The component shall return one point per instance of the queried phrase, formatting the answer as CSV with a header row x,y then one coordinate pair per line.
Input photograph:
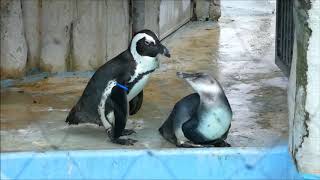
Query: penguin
x,y
201,119
116,88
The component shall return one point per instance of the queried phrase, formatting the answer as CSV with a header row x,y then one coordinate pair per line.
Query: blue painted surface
x,y
210,163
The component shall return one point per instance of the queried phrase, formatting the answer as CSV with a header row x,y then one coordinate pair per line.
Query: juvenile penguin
x,y
105,100
200,119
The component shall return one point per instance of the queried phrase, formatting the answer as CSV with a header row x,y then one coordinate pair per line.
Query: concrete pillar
x,y
31,20
89,35
161,16
146,15
304,88
173,14
55,34
119,27
151,13
13,43
101,30
207,10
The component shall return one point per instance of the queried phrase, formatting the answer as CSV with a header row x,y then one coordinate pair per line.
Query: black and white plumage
x,y
118,84
201,119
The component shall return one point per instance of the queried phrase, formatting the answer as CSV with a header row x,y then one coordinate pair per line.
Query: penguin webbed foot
x,y
188,144
127,132
221,143
217,143
127,142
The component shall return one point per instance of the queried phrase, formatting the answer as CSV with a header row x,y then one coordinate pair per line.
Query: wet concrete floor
x,y
238,51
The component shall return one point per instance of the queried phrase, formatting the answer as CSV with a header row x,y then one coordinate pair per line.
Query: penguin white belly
x,y
215,123
137,87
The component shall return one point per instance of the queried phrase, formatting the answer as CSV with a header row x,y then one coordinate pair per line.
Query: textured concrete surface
x,y
161,16
13,46
239,51
172,15
304,88
207,10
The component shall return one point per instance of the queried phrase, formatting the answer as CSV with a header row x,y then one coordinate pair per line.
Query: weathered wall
x,y
56,18
173,14
13,43
89,35
151,12
165,16
57,36
161,16
119,27
207,10
88,40
101,30
31,21
304,88
74,35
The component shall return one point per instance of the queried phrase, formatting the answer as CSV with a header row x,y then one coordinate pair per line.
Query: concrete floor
x,y
238,51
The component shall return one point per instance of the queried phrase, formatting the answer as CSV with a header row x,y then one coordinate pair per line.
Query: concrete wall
x,y
57,36
73,35
13,42
173,14
304,88
30,10
101,30
55,29
161,16
146,15
207,10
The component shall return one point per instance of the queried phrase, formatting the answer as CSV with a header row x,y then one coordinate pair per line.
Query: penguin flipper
x,y
181,113
167,130
189,129
119,105
120,109
136,103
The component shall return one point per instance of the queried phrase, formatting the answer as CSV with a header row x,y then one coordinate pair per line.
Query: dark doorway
x,y
284,35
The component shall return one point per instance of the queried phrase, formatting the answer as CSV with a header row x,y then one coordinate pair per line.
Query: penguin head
x,y
145,43
202,83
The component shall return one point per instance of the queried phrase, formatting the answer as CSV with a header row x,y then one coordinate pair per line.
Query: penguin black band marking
x,y
140,76
122,86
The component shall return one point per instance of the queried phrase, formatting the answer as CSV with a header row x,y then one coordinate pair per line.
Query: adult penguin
x,y
119,81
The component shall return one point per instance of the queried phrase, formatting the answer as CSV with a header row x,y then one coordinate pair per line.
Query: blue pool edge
x,y
200,163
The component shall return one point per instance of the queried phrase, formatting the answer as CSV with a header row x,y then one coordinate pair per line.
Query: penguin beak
x,y
165,51
182,75
188,75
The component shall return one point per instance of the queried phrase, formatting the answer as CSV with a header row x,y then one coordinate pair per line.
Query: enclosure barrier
x,y
304,87
209,163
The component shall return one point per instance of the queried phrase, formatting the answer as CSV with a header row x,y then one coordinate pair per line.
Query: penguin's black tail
x,y
167,132
161,130
72,117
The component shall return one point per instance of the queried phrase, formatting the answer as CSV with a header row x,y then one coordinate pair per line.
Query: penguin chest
x,y
138,87
215,123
